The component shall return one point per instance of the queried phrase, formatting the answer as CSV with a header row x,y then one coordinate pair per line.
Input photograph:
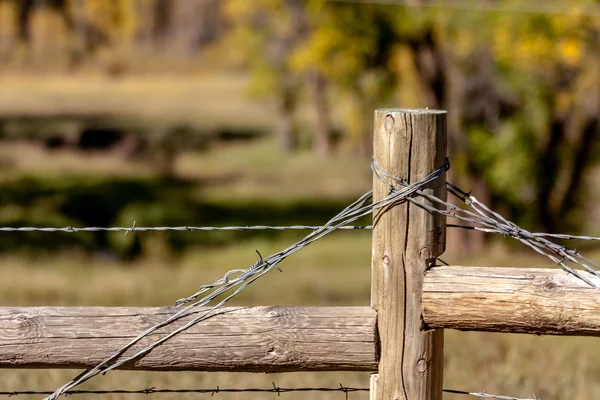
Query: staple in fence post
x,y
409,144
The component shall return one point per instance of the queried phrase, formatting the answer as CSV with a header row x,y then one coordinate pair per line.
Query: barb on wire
x,y
235,281
486,220
216,390
133,228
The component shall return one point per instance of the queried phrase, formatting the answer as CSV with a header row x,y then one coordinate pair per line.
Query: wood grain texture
x,y
255,339
409,144
518,300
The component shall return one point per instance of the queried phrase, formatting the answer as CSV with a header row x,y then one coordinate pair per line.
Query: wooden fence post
x,y
409,144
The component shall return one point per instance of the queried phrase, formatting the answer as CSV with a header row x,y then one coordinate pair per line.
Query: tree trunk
x,y
548,172
286,127
162,21
322,143
580,160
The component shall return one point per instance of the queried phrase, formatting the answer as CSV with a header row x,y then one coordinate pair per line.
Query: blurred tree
x,y
90,23
183,26
529,100
7,30
116,18
326,44
26,9
349,46
266,32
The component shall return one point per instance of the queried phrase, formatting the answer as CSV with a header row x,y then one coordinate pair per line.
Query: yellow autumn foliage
x,y
116,18
542,42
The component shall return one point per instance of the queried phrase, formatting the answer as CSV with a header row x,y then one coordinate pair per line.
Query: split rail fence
x,y
399,337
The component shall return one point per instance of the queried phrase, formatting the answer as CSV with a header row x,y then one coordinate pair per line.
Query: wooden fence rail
x,y
516,300
400,336
256,339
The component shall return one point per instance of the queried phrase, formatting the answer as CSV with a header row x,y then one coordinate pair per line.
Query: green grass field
x,y
333,271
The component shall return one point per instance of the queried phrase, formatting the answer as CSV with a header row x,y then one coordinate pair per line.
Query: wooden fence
x,y
399,337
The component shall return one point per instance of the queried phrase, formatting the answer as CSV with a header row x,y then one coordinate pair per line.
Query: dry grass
x,y
261,171
310,277
32,159
204,99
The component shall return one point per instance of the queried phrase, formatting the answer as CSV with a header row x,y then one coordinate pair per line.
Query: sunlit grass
x,y
208,99
260,170
311,276
256,170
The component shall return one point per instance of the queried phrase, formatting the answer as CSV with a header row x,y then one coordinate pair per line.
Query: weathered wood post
x,y
406,239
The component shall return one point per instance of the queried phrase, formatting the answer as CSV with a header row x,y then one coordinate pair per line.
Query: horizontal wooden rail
x,y
257,339
518,300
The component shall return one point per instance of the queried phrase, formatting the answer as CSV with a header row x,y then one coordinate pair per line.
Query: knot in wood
x,y
21,318
21,327
425,254
422,366
388,123
549,285
274,313
386,260
143,321
271,351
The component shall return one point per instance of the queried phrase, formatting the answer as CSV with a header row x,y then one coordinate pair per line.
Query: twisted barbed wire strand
x,y
538,242
133,228
490,221
245,277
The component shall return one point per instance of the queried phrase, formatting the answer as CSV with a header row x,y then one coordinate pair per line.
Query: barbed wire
x,y
235,281
134,228
216,390
486,220
536,234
